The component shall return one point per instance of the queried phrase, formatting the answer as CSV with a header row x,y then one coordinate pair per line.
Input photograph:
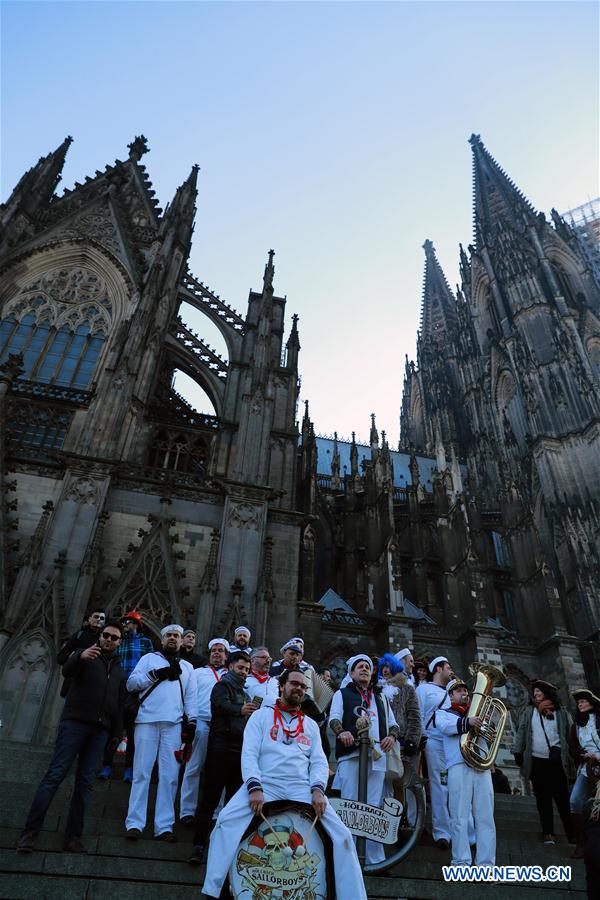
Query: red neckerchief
x,y
461,707
366,698
215,672
290,733
260,678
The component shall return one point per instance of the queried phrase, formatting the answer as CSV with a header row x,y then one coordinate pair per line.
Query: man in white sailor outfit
x,y
241,639
292,657
432,696
470,791
282,759
406,658
259,684
169,685
347,705
206,677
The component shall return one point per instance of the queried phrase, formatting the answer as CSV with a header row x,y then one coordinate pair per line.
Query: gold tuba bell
x,y
479,746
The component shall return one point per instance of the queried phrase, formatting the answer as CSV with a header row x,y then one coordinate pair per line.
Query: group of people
x,y
235,730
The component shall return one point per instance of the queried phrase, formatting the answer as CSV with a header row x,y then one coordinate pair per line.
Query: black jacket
x,y
194,659
227,723
96,691
81,640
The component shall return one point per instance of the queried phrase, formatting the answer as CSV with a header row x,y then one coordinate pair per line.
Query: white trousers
x,y
193,767
347,781
237,815
471,792
152,740
438,792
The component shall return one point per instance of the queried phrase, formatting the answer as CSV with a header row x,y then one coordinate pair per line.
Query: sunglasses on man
x,y
109,636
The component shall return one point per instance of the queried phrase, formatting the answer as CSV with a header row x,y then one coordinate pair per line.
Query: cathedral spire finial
x,y
138,147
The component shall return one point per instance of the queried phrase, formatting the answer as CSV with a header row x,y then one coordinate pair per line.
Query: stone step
x,y
436,889
140,860
19,886
82,865
510,852
111,801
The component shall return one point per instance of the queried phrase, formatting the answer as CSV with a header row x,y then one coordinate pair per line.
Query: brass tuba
x,y
479,746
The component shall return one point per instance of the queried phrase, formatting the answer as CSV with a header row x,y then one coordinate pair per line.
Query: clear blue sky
x,y
334,132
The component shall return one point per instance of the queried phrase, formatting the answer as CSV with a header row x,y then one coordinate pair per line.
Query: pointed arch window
x,y
180,452
65,356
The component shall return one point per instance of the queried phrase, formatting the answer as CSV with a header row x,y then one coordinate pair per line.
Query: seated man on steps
x,y
92,716
282,759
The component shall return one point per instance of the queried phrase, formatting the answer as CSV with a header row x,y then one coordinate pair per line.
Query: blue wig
x,y
395,665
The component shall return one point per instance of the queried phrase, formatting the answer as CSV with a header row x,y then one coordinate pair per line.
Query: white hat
x,y
241,629
350,663
168,628
402,653
294,644
434,662
214,641
298,640
455,683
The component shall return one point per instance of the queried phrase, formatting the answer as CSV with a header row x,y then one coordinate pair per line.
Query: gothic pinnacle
x,y
269,272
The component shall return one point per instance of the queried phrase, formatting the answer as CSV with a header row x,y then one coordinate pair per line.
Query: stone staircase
x,y
149,870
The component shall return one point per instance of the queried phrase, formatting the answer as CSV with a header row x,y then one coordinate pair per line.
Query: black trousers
x,y
550,783
222,769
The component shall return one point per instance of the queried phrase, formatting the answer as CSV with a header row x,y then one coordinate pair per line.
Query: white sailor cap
x,y
402,653
455,683
434,662
360,657
241,629
168,628
214,641
293,644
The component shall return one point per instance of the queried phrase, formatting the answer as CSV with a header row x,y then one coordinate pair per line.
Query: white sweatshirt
x,y
429,696
269,763
164,703
447,724
206,677
268,690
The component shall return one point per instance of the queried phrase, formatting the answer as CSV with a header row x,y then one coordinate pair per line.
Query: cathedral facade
x,y
478,537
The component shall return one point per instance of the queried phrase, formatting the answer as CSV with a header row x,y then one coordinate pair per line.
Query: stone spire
x,y
36,187
179,215
438,310
293,345
353,457
269,273
335,461
374,435
495,196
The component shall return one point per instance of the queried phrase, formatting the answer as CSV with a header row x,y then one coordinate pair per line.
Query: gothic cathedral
x,y
479,537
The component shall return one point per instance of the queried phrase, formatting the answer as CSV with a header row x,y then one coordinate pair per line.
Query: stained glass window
x,y
64,356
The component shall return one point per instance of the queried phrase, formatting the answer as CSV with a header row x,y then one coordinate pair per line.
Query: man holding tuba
x,y
470,790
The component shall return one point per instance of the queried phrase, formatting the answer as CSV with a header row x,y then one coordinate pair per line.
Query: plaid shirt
x,y
131,649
